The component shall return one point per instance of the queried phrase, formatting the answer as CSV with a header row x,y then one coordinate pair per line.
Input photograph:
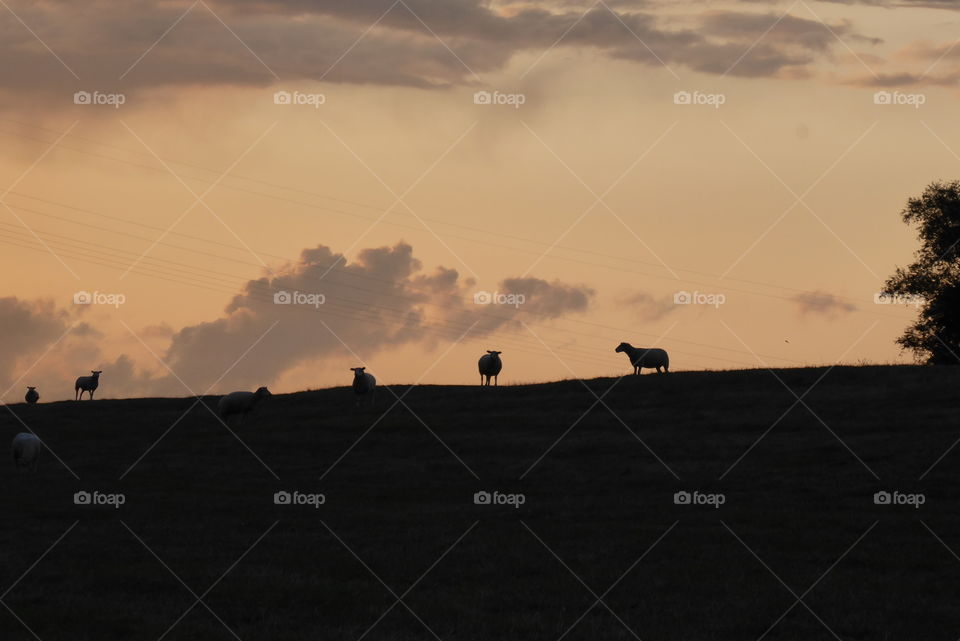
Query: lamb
x,y
87,384
32,395
363,384
26,451
490,365
645,357
240,403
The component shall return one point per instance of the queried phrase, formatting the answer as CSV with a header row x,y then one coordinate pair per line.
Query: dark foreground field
x,y
597,550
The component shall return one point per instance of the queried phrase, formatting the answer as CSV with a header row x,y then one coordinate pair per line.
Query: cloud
x,y
28,327
823,304
381,300
44,345
125,47
649,307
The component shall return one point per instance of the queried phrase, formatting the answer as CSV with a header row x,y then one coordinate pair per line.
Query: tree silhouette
x,y
933,279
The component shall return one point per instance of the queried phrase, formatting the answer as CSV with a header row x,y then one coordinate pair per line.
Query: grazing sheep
x,y
87,384
26,451
363,384
32,395
240,403
645,357
490,365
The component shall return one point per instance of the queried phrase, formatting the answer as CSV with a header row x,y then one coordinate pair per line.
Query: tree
x,y
933,279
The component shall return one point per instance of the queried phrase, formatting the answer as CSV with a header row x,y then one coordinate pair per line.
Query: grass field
x,y
399,549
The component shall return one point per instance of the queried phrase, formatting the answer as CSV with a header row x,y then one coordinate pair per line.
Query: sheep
x,y
87,384
32,396
363,384
490,365
645,357
240,403
26,451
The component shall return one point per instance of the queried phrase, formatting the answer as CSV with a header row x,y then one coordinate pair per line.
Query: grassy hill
x,y
399,518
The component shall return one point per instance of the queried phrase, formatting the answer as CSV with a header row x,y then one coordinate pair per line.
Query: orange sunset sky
x,y
755,153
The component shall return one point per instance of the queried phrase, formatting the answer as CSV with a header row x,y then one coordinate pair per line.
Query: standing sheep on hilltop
x,y
32,395
87,384
240,403
490,365
363,384
26,451
645,357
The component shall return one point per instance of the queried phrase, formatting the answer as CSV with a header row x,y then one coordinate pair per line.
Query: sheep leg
x,y
495,383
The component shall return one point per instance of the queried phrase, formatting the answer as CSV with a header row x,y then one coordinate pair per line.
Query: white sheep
x,y
87,384
645,357
26,451
363,384
240,403
32,395
490,365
